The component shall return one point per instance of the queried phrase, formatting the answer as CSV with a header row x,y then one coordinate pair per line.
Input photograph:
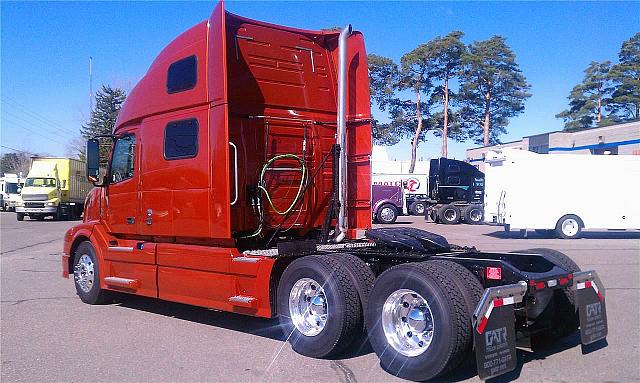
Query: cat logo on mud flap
x,y
495,337
593,309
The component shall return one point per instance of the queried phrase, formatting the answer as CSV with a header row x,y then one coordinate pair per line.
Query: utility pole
x,y
90,85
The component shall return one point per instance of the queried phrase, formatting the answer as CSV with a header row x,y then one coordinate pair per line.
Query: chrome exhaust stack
x,y
341,139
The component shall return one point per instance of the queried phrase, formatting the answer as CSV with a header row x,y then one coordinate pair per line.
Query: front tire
x,y
318,305
417,321
86,275
20,216
387,214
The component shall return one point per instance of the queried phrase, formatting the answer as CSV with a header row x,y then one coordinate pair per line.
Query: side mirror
x,y
93,160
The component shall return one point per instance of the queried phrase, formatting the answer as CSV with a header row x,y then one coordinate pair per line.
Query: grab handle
x,y
235,170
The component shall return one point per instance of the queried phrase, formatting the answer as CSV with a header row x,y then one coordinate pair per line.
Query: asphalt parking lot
x,y
48,334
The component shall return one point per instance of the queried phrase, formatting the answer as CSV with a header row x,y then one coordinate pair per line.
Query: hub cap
x,y
570,227
407,322
386,214
420,208
308,306
83,273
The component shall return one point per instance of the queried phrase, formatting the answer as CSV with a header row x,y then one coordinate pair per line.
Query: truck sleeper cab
x,y
240,180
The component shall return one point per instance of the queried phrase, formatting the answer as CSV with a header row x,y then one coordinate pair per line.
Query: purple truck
x,y
386,202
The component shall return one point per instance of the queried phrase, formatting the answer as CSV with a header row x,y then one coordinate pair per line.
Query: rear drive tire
x,y
449,214
387,213
569,227
417,208
417,321
86,275
318,306
473,214
363,279
20,216
562,311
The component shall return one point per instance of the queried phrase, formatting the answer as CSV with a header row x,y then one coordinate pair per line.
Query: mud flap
x,y
494,334
591,307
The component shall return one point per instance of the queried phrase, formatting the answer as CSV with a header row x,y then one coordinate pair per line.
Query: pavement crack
x,y
344,373
17,302
29,246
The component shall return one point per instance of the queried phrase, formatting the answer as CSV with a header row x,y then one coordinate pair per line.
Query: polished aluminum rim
x,y
407,322
475,215
84,273
386,214
419,208
308,306
570,227
450,214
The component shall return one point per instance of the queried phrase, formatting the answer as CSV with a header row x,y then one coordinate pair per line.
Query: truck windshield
x,y
41,182
11,188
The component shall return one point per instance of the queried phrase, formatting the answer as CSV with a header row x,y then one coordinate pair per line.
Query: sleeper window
x,y
181,139
182,75
122,162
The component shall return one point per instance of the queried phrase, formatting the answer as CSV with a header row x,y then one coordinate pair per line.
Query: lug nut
x,y
313,287
404,319
421,343
409,334
405,304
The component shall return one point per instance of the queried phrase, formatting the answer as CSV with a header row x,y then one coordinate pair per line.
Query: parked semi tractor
x,y
387,202
240,180
456,191
54,187
561,194
10,187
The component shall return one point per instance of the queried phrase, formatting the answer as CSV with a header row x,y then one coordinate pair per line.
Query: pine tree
x,y
588,99
625,76
493,89
103,118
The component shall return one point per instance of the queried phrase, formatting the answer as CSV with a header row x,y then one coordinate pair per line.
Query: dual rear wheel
x,y
417,315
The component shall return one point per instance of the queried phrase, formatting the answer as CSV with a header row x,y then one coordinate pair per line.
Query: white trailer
x,y
561,193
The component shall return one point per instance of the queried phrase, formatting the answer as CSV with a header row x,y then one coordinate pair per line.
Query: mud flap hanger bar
x,y
494,330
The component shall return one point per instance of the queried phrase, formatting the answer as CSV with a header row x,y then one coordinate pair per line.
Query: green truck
x,y
56,187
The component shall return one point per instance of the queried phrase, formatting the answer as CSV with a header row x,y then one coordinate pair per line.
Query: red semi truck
x,y
239,179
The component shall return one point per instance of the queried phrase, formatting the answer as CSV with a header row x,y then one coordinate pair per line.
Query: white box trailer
x,y
561,193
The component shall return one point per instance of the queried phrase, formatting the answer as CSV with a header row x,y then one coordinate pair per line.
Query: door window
x,y
122,163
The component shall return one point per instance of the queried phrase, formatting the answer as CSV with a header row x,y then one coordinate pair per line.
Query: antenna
x,y
90,85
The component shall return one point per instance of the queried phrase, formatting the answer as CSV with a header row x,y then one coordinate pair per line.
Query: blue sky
x,y
45,49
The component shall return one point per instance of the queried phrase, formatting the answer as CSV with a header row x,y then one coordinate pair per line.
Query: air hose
x,y
261,183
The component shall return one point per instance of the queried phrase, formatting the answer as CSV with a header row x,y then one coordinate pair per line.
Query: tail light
x,y
493,273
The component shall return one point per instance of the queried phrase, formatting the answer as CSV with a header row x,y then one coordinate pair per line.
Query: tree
x,y
493,89
16,163
103,118
625,77
383,77
587,99
444,55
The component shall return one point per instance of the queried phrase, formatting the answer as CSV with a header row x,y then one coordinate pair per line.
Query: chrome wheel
x,y
570,227
83,273
387,214
450,215
308,306
419,208
407,322
475,215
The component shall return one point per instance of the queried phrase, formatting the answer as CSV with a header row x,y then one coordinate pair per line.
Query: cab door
x,y
122,190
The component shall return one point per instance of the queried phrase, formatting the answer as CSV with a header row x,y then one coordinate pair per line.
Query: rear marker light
x,y
540,286
494,273
564,281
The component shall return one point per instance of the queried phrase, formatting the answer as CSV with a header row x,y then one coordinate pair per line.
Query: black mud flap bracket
x,y
494,329
591,308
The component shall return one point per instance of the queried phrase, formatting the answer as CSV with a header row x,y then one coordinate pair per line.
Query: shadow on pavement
x,y
263,327
612,234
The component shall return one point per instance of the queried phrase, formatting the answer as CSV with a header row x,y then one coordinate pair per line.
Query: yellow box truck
x,y
56,187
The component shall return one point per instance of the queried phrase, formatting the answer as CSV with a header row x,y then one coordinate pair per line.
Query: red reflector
x,y
494,273
564,281
570,276
587,284
532,283
539,285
